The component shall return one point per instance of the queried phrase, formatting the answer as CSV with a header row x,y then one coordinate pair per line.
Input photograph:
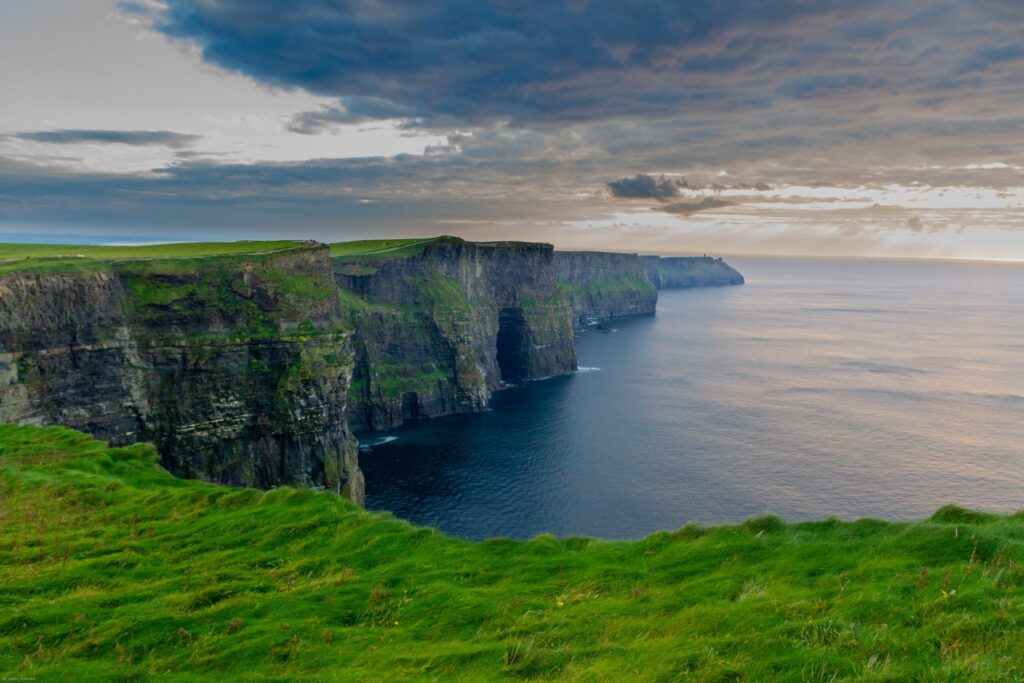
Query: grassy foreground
x,y
114,570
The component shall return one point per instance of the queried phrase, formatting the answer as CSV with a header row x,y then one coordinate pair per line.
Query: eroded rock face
x,y
604,285
428,326
236,368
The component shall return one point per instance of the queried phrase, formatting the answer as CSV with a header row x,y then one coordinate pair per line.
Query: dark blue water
x,y
853,388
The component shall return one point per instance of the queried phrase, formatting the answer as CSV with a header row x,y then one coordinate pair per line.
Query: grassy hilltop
x,y
114,570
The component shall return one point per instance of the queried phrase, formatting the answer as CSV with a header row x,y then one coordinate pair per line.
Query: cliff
x,y
668,272
247,367
604,285
236,367
440,324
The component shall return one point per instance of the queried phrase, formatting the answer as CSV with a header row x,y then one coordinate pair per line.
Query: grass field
x,y
72,257
10,250
114,570
17,256
61,257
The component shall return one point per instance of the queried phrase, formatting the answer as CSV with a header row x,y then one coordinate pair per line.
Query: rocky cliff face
x,y
604,285
237,368
441,326
668,272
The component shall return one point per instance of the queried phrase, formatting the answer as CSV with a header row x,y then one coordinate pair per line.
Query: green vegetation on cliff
x,y
114,570
440,293
181,290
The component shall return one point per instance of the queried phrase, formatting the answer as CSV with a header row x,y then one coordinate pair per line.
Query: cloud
x,y
527,108
356,110
473,196
689,208
787,91
463,62
643,186
990,56
830,85
163,138
915,225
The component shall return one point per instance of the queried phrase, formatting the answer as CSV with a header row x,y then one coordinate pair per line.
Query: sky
x,y
889,128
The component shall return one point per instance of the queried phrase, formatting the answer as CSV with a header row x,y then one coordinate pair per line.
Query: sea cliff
x,y
602,285
235,367
441,324
250,364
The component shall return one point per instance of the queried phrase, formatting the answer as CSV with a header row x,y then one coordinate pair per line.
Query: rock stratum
x,y
253,369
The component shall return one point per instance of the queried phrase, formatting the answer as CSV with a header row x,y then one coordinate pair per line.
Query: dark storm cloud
x,y
788,91
164,138
465,62
470,62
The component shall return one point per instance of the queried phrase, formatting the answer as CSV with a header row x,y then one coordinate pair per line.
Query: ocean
x,y
853,388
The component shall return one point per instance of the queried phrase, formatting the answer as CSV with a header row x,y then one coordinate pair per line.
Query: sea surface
x,y
853,388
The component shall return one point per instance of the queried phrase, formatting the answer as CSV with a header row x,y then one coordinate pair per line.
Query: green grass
x,y
382,247
77,257
114,570
145,251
